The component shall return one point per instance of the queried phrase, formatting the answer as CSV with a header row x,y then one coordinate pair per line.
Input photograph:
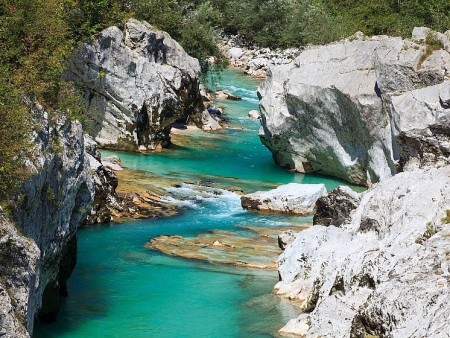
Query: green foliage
x,y
446,219
38,36
13,145
202,43
432,43
192,27
289,23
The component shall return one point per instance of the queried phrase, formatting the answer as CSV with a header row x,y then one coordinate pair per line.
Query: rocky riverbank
x,y
122,194
136,84
383,272
254,60
365,109
362,109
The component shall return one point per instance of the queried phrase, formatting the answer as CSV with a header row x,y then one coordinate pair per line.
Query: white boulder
x,y
292,198
136,83
236,52
254,114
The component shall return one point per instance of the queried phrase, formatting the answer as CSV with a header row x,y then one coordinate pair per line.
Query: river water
x,y
122,289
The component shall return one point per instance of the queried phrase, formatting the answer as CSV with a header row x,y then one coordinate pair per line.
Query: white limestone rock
x,y
254,114
236,52
136,84
209,123
112,162
292,198
384,273
340,109
286,238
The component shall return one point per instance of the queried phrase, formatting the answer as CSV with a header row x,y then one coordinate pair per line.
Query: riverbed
x,y
120,288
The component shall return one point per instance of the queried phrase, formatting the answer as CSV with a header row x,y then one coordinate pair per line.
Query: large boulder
x,y
345,109
292,198
136,84
384,272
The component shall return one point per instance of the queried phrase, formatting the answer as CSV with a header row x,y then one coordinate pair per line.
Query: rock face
x,y
335,207
136,84
292,198
19,257
385,272
361,110
105,184
286,238
38,253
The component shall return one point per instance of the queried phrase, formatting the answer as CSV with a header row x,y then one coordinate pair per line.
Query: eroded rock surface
x,y
384,272
19,257
38,252
335,207
359,109
125,194
285,238
136,84
105,197
292,198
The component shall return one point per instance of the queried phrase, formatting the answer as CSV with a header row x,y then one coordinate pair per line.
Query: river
x,y
119,288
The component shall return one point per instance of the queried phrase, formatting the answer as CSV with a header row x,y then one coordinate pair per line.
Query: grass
x,y
432,43
446,219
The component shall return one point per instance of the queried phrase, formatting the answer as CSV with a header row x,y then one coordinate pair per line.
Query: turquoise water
x,y
121,289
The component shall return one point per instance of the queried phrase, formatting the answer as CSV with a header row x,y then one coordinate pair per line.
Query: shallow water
x,y
121,289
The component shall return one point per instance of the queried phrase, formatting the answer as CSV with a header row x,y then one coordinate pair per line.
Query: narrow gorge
x,y
299,192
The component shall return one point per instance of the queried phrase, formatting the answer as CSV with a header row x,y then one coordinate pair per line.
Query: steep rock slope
x,y
38,253
384,272
136,84
361,109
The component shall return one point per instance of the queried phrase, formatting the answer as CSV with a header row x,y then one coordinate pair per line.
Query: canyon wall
x,y
361,109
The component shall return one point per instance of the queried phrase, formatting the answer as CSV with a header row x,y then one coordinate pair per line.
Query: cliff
x,y
136,84
361,109
38,250
383,272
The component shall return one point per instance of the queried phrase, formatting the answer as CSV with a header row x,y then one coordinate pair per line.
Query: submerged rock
x,y
255,251
220,94
292,198
136,84
384,272
358,109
